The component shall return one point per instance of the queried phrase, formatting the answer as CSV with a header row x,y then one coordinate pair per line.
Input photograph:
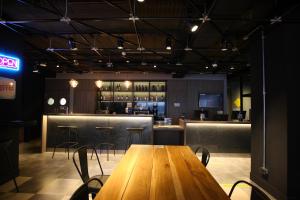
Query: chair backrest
x,y
205,155
82,193
4,149
256,193
83,162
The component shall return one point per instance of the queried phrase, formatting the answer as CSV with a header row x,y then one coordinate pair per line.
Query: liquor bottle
x,y
143,89
162,88
122,98
104,97
101,97
136,88
162,98
146,88
126,98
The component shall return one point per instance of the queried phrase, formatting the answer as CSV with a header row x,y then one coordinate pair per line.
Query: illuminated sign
x,y
9,63
7,88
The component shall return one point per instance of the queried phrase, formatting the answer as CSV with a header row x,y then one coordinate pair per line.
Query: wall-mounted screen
x,y
210,100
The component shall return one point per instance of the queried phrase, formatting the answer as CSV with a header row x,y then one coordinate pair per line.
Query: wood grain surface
x,y
160,173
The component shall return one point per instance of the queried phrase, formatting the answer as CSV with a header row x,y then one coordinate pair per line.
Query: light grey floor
x,y
55,179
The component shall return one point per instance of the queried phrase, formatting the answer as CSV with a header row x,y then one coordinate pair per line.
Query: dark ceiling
x,y
101,23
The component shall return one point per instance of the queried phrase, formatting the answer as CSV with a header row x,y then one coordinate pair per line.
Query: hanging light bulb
x,y
73,83
127,84
99,84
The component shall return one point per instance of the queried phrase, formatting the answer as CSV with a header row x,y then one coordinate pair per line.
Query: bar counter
x,y
86,128
218,136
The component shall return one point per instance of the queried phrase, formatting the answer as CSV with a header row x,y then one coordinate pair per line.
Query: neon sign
x,y
9,63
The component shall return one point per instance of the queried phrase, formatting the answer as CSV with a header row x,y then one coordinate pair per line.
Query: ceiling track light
x,y
120,43
168,43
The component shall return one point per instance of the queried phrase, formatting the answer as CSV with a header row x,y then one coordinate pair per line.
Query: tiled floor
x,y
56,179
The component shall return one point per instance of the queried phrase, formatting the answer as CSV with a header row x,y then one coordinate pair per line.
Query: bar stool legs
x,y
132,132
68,142
107,135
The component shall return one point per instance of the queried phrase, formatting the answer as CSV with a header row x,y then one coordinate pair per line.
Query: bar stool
x,y
70,138
132,132
107,140
6,161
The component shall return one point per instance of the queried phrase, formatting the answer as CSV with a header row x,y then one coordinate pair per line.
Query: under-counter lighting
x,y
73,83
99,84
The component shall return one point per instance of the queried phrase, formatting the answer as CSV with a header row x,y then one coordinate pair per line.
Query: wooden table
x,y
161,173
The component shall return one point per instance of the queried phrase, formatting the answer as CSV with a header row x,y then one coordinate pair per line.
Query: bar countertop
x,y
212,122
105,115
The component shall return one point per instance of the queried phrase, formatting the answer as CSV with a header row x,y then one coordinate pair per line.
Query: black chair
x,y
83,171
82,193
70,138
4,151
107,140
256,193
205,155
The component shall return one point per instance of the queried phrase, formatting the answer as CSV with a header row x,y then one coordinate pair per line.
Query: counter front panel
x,y
86,128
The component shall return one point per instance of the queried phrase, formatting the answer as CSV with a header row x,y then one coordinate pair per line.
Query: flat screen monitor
x,y
210,100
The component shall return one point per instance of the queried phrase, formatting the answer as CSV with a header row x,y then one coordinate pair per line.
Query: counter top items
x,y
161,172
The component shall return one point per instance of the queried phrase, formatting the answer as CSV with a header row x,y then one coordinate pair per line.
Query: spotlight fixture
x,y
99,61
140,49
224,45
43,64
215,64
120,43
141,1
168,43
232,68
206,67
57,66
72,44
154,66
187,48
75,62
123,53
128,61
194,28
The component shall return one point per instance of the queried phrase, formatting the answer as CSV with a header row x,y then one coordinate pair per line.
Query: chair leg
x,y
107,152
53,151
15,182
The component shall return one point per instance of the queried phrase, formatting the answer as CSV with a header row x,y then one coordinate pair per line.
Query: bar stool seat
x,y
106,140
132,131
70,136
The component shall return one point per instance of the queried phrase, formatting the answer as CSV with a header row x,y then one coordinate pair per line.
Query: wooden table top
x,y
160,173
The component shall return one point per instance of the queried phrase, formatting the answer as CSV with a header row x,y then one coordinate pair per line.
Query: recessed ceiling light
x,y
123,53
168,43
154,66
141,1
120,43
57,66
143,63
178,63
35,71
99,61
128,61
232,68
214,64
206,67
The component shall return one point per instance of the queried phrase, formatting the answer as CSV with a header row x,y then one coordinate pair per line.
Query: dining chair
x,y
205,155
256,193
81,165
82,193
